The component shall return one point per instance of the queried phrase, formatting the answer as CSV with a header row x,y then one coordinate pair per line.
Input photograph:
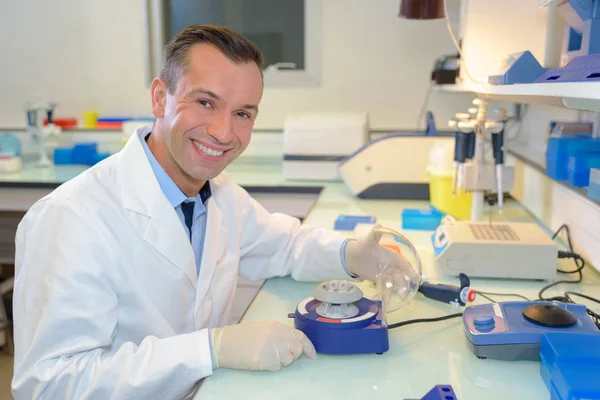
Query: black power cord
x,y
421,320
577,259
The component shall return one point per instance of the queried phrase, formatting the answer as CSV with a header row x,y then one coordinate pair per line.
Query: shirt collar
x,y
169,188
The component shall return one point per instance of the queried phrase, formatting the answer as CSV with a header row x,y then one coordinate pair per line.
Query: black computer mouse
x,y
549,315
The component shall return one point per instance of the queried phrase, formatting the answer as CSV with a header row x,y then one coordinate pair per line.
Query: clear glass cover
x,y
400,270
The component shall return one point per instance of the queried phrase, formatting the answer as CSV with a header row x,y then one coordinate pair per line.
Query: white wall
x,y
90,55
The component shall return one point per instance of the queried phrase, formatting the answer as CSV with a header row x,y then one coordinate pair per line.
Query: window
x,y
287,32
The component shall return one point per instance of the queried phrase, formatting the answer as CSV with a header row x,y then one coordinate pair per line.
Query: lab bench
x,y
420,356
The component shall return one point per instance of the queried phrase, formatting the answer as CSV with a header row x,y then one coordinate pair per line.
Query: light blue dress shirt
x,y
176,197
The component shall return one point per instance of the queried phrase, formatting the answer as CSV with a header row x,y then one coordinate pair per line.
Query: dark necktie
x,y
188,215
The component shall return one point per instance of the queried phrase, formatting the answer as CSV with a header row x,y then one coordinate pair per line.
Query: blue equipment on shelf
x,y
560,149
515,330
519,67
593,190
582,33
580,69
338,320
580,166
349,222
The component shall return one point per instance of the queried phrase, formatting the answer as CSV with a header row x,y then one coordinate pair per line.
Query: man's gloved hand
x,y
263,345
364,257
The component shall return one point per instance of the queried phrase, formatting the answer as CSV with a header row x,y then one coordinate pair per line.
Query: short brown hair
x,y
236,47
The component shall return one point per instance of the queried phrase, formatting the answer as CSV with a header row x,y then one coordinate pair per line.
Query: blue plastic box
x,y
349,222
62,156
570,365
84,153
560,149
580,166
426,220
593,191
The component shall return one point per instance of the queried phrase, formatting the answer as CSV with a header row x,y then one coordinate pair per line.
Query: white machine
x,y
393,167
315,143
510,250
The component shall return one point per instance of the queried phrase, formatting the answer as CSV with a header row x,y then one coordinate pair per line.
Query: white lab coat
x,y
107,303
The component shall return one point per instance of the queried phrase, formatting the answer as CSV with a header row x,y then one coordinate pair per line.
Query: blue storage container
x,y
595,176
84,153
63,156
593,191
426,220
580,166
560,149
570,365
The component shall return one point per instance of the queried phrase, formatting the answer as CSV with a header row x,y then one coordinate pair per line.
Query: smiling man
x,y
126,275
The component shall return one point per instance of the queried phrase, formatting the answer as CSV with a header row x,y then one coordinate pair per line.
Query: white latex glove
x,y
263,345
364,257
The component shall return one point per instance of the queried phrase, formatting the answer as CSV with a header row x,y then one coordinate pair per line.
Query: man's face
x,y
207,121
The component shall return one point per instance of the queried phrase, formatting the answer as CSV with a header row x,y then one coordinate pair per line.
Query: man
x,y
125,276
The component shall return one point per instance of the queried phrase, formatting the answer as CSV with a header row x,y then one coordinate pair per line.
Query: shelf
x,y
579,95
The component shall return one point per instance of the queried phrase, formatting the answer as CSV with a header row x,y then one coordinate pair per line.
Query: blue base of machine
x,y
500,330
361,334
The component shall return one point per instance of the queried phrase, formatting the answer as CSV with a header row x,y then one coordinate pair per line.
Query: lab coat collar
x,y
156,220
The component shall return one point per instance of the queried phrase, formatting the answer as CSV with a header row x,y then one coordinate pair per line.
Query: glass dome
x,y
400,269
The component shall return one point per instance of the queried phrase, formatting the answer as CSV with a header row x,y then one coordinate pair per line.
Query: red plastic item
x,y
63,122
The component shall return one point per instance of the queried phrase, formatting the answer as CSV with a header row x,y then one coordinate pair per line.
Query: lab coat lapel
x,y
211,251
148,209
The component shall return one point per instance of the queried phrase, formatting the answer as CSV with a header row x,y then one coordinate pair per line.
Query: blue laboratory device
x,y
339,320
519,67
515,330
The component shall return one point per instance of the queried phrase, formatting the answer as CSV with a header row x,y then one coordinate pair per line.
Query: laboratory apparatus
x,y
338,319
315,143
392,167
455,295
39,132
515,330
521,67
509,250
471,173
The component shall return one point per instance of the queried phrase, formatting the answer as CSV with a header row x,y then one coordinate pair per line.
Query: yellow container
x,y
440,193
90,119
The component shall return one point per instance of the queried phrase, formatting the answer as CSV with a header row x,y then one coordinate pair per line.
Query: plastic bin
x,y
426,220
580,166
440,195
560,149
63,156
84,153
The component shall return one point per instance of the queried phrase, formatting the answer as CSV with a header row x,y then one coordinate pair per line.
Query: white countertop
x,y
420,356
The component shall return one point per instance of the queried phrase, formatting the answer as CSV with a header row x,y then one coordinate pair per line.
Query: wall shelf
x,y
577,95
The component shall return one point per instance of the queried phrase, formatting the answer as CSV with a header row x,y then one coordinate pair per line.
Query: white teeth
x,y
208,151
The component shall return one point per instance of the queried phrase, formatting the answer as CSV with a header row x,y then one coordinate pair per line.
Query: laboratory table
x,y
420,356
